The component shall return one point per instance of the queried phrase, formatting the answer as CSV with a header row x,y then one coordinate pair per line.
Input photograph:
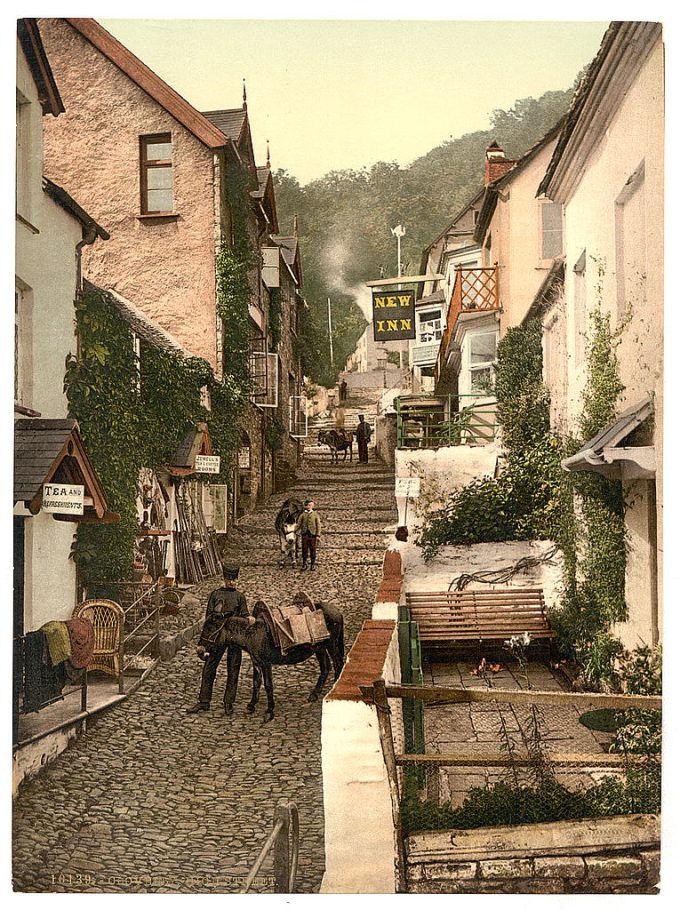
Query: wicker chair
x,y
107,618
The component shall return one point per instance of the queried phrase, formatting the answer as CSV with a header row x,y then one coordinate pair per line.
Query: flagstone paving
x,y
151,799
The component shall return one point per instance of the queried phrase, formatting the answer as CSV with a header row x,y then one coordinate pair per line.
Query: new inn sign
x,y
394,315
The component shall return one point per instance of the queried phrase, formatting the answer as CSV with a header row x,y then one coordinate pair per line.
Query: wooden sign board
x,y
63,498
394,315
207,464
407,486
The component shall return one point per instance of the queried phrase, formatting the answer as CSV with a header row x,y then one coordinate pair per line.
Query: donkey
x,y
253,635
337,441
284,523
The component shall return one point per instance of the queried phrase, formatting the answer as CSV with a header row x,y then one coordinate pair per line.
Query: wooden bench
x,y
453,619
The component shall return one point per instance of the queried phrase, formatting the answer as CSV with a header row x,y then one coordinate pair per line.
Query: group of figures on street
x,y
299,529
341,440
230,628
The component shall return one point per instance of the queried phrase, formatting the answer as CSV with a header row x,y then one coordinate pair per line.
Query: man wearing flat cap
x,y
223,600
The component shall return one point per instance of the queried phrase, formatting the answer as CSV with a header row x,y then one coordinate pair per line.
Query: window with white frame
x,y
481,356
429,326
23,157
22,346
551,229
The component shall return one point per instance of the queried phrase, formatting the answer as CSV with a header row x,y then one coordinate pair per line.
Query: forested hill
x,y
345,219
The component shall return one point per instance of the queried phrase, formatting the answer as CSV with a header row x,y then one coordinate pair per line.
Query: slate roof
x,y
37,442
145,327
611,435
263,174
68,203
197,438
48,91
437,297
231,122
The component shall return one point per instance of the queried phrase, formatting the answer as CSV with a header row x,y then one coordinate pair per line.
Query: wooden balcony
x,y
475,290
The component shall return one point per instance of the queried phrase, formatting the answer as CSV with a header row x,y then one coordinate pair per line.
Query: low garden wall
x,y
590,856
359,831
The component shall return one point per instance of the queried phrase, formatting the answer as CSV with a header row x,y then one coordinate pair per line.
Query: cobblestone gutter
x,y
618,855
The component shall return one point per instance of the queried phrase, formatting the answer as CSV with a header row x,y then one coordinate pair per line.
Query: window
x,y
23,157
551,230
580,309
23,361
631,243
429,326
481,357
156,174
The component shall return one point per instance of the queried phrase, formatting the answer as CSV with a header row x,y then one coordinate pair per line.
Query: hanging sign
x,y
407,486
244,457
63,498
207,464
394,316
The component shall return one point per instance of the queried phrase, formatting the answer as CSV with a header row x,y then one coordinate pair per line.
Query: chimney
x,y
495,164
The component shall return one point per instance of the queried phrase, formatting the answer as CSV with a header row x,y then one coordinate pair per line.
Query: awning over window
x,y
51,451
196,442
604,454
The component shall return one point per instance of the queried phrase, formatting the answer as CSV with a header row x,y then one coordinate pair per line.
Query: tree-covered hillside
x,y
346,216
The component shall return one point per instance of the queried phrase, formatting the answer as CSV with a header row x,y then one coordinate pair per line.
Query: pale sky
x,y
344,94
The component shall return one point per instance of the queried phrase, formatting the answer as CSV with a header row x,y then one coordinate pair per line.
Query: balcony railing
x,y
475,290
435,421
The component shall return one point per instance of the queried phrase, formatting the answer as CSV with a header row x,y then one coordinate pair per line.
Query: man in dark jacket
x,y
224,600
363,436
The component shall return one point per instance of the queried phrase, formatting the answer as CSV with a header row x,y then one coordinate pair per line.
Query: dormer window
x,y
156,174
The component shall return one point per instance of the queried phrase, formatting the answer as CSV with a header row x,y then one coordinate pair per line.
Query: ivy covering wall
x,y
132,415
535,498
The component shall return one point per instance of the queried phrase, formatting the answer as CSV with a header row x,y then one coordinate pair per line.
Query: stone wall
x,y
617,855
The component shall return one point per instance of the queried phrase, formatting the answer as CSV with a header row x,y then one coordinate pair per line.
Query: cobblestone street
x,y
153,799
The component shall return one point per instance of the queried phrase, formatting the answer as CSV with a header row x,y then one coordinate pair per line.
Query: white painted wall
x,y
359,833
49,574
441,471
452,561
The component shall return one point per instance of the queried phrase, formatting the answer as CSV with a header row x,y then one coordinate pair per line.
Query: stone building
x,y
176,186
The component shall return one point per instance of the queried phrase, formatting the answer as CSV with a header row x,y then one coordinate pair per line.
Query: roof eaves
x,y
145,327
59,195
48,91
184,112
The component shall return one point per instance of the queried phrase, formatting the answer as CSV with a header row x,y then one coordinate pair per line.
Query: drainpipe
x,y
89,237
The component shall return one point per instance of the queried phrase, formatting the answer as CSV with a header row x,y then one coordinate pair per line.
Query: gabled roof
x,y
231,122
624,47
196,442
52,450
152,84
144,326
466,208
68,203
265,195
492,190
31,42
291,253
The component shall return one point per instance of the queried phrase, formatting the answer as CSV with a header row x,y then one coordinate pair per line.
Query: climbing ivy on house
x,y
521,503
593,534
132,415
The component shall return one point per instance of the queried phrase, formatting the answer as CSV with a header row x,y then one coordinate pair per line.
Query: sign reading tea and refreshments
x,y
207,464
63,498
394,315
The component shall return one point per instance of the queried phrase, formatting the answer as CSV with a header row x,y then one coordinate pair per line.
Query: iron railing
x,y
435,421
283,842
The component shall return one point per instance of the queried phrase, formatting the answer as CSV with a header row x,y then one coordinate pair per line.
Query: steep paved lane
x,y
153,799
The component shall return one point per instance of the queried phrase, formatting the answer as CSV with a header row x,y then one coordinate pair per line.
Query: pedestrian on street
x,y
224,600
309,526
343,391
363,435
340,417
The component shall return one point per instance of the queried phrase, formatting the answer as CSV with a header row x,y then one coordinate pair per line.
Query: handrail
x,y
284,840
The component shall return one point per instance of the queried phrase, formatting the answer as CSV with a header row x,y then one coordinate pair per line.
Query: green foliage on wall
x,y
274,433
134,415
521,503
